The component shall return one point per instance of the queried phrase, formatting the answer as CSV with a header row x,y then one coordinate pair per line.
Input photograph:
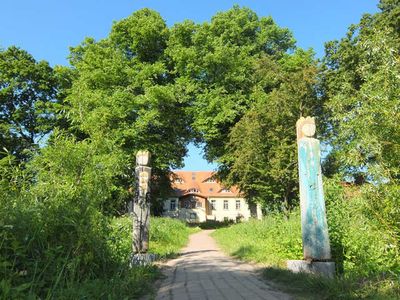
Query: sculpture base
x,y
322,268
142,259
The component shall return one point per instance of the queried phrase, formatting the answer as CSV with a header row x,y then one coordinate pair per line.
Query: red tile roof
x,y
200,183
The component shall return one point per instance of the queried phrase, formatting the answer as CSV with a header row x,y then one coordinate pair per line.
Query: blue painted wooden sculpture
x,y
314,226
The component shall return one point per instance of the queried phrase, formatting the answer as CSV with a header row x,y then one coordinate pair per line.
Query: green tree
x,y
124,94
215,63
246,89
360,81
28,90
261,154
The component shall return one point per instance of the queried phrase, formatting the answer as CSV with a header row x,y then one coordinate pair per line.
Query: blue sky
x,y
47,28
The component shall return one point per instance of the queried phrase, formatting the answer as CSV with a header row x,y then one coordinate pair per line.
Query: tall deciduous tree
x,y
361,80
124,94
215,63
247,92
261,153
28,90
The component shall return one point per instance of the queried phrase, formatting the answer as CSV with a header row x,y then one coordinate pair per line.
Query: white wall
x,y
219,214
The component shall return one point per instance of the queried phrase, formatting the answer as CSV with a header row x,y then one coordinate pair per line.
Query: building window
x,y
225,190
198,204
172,205
237,204
213,204
193,191
210,189
189,203
210,180
226,205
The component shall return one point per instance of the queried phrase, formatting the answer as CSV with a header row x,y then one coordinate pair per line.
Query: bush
x,y
363,229
55,242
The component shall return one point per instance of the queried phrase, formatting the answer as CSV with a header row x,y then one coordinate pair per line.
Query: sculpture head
x,y
143,158
305,127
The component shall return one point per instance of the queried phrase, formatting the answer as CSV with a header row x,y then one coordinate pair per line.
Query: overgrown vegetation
x,y
365,247
56,243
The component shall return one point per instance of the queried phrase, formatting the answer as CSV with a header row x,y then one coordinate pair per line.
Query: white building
x,y
199,197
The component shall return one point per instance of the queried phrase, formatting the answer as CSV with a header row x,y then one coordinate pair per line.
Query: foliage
x,y
247,92
123,94
364,240
237,84
260,156
215,62
55,242
167,236
28,91
363,227
124,91
306,286
271,241
360,81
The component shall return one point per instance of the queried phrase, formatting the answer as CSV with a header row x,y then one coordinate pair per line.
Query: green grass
x,y
306,286
107,278
167,236
274,240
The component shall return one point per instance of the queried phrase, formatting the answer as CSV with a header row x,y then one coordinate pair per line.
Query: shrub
x,y
55,242
363,229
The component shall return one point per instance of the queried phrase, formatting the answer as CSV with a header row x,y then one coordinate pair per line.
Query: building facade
x,y
198,197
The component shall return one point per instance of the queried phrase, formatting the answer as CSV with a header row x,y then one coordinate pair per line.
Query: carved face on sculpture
x,y
308,130
305,127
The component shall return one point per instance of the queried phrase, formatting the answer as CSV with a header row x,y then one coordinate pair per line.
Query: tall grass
x,y
167,237
33,265
56,242
364,233
272,240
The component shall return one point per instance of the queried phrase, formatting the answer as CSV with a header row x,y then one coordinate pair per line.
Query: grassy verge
x,y
274,240
167,237
306,286
55,275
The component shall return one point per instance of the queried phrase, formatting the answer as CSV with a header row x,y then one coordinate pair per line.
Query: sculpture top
x,y
143,158
305,127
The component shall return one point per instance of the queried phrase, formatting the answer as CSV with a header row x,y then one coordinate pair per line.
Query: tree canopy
x,y
360,80
27,91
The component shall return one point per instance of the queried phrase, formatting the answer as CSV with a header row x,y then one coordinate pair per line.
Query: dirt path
x,y
204,272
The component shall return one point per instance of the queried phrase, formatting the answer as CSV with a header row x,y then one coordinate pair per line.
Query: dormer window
x,y
210,180
225,190
178,180
193,191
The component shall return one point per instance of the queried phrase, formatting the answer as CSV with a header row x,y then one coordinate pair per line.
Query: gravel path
x,y
204,272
